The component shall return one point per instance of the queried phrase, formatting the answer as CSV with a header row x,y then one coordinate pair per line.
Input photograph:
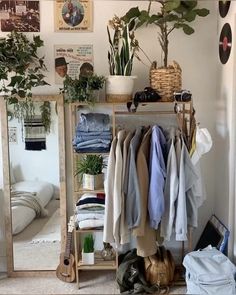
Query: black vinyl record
x,y
225,43
224,7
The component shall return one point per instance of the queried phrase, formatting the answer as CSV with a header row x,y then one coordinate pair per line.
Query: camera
x,y
148,95
183,95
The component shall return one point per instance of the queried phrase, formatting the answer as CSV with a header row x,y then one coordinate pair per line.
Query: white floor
x,y
91,282
40,256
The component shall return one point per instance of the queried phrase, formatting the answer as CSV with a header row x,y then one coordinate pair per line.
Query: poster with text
x,y
73,15
72,60
20,16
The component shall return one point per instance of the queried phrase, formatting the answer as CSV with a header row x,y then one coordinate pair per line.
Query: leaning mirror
x,y
36,219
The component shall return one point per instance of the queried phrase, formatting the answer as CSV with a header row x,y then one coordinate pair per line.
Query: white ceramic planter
x,y
119,88
88,258
93,182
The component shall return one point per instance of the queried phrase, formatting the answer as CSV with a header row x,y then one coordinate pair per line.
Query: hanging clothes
x,y
124,231
157,170
109,192
170,190
187,178
118,185
145,235
131,189
143,180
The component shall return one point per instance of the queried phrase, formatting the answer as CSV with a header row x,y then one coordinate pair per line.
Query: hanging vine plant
x,y
45,109
21,69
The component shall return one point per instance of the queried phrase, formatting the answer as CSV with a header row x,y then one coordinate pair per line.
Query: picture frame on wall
x,y
71,60
12,134
20,16
73,15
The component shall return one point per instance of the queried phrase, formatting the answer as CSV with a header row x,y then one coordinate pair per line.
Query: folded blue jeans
x,y
94,122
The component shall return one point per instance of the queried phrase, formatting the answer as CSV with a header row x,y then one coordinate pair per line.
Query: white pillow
x,y
12,176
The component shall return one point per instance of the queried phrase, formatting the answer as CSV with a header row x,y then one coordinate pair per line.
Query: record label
x,y
224,7
225,43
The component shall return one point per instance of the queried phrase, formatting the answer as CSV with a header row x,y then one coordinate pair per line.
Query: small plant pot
x,y
119,88
93,182
88,258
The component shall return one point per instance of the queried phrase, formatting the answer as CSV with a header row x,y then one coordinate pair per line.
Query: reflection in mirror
x,y
35,187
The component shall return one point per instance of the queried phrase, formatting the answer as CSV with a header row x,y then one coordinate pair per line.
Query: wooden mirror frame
x,y
6,183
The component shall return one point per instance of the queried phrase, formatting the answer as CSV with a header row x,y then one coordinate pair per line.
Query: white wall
x,y
197,55
225,134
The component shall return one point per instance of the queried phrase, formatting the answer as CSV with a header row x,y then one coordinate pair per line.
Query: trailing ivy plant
x,y
21,69
82,89
45,109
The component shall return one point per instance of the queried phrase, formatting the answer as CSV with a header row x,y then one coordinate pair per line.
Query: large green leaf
x,y
202,12
134,12
171,5
190,16
187,29
186,6
154,18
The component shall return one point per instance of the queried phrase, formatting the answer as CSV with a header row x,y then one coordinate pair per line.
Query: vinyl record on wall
x,y
225,43
224,7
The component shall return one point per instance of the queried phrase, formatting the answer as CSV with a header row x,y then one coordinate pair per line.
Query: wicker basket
x,y
166,80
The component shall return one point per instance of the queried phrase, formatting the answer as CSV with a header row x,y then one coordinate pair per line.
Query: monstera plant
x,y
21,70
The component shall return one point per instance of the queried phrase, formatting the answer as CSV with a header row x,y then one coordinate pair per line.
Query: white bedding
x,y
22,216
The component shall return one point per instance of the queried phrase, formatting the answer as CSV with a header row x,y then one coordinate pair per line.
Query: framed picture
x,y
20,16
72,60
73,15
12,134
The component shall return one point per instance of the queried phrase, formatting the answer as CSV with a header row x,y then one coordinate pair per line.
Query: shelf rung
x,y
81,154
80,191
99,263
89,230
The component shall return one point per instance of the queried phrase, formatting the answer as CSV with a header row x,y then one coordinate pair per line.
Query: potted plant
x,y
82,89
21,70
171,15
88,250
123,45
89,169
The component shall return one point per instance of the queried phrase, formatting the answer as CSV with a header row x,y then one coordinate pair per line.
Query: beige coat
x,y
146,236
109,190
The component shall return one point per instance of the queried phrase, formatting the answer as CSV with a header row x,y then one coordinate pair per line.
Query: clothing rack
x,y
184,113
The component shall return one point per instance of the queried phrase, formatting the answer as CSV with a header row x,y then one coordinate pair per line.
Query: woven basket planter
x,y
166,81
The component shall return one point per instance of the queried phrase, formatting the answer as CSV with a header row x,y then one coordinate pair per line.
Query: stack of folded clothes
x,y
93,133
90,210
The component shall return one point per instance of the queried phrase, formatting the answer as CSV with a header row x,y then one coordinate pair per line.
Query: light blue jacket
x,y
157,171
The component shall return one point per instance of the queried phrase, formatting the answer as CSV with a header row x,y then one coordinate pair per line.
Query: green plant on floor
x,y
88,245
82,89
90,164
169,15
